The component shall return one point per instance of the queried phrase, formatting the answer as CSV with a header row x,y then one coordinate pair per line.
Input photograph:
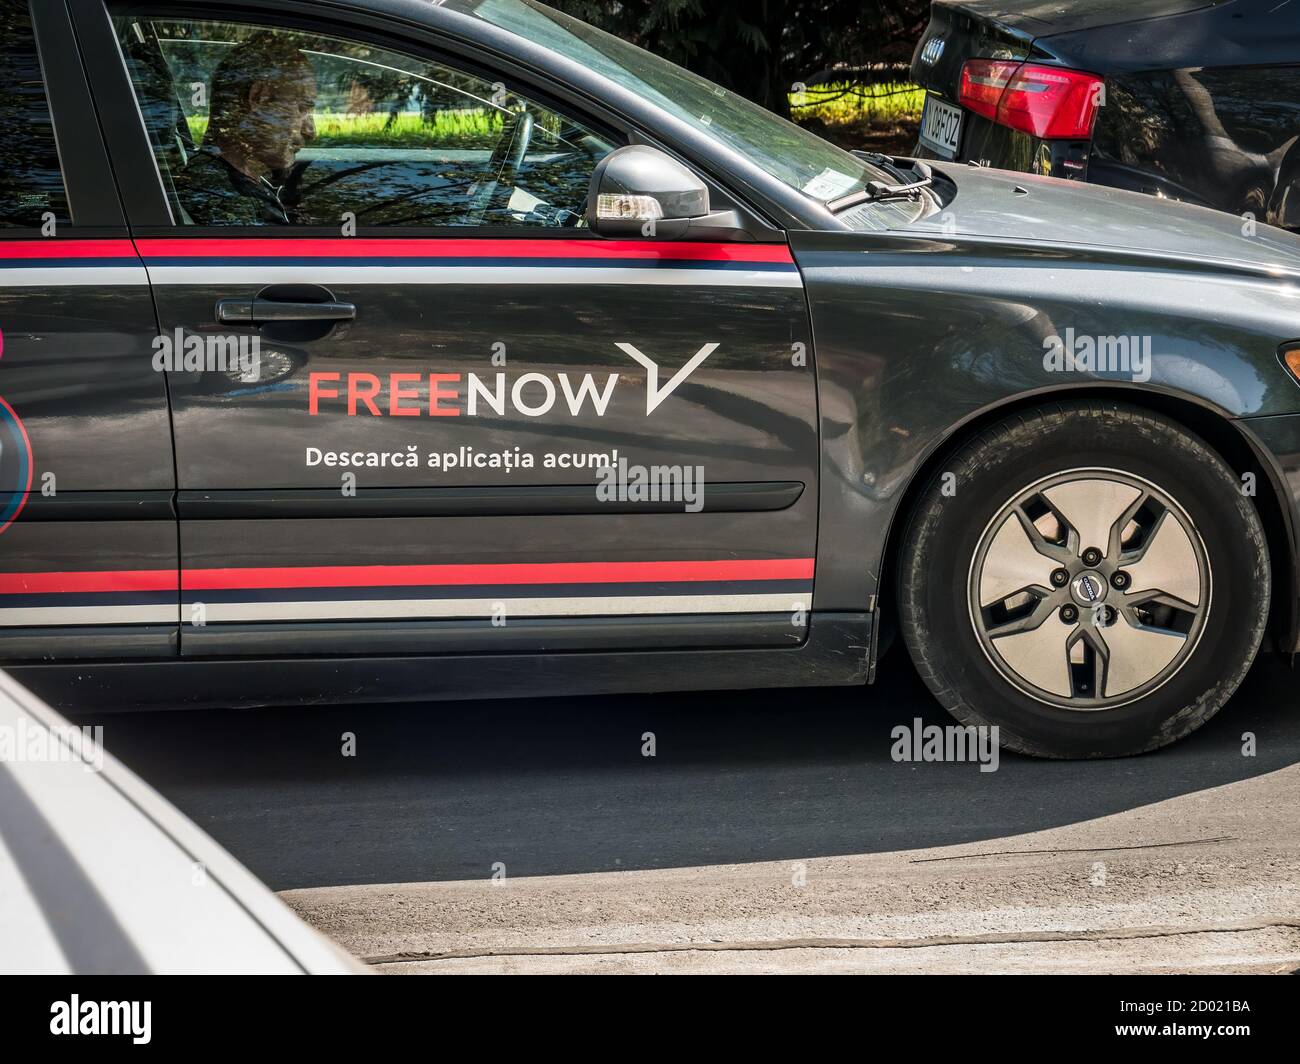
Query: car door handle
x,y
254,311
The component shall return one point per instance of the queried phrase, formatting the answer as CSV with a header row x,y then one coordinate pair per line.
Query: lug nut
x,y
1060,577
1119,580
1069,614
1092,556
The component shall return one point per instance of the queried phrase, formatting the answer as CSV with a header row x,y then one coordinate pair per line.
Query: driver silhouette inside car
x,y
262,98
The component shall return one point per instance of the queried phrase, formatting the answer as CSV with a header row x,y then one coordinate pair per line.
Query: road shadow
x,y
442,791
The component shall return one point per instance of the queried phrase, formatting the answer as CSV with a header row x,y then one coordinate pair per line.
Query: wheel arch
x,y
1229,438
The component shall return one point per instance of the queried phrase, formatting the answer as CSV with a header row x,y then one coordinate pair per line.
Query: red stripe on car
x,y
88,583
539,573
66,249
504,573
457,248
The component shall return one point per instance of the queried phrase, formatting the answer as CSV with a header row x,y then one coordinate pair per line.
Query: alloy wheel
x,y
1089,589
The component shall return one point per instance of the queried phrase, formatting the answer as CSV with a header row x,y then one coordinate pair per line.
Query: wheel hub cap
x,y
1088,643
1089,588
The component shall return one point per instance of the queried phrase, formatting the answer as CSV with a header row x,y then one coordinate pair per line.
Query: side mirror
x,y
639,191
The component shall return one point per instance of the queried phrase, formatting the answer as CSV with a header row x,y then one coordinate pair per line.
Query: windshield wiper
x,y
884,190
881,162
880,190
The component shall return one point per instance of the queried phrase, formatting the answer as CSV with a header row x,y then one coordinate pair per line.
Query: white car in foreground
x,y
101,875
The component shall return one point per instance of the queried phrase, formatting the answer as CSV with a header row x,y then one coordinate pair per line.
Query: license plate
x,y
941,127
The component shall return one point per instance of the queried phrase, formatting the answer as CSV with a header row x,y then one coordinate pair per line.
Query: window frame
x,y
433,67
616,133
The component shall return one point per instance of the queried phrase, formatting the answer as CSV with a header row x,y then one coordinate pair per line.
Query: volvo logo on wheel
x,y
1088,588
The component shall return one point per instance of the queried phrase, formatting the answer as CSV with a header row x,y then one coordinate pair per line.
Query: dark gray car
x,y
379,350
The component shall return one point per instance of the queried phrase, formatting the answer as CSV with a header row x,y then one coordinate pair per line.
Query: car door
x,y
473,425
88,552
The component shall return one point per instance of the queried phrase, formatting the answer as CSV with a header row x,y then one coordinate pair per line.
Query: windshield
x,y
798,158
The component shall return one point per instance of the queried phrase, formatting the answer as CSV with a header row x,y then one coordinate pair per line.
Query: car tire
x,y
1168,612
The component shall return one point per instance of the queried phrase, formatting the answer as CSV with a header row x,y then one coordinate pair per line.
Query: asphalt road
x,y
443,791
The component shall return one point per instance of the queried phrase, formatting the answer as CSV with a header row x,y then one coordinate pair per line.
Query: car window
x,y
256,125
31,183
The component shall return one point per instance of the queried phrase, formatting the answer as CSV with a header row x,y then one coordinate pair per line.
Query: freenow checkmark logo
x,y
654,395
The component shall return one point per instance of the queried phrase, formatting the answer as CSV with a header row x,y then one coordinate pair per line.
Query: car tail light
x,y
1045,102
983,81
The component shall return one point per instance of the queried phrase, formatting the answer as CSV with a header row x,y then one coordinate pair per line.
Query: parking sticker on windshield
x,y
829,184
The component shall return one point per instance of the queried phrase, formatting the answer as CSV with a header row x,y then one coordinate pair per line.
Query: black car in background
x,y
1186,99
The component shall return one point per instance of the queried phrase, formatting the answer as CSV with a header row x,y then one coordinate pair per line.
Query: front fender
x,y
916,338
